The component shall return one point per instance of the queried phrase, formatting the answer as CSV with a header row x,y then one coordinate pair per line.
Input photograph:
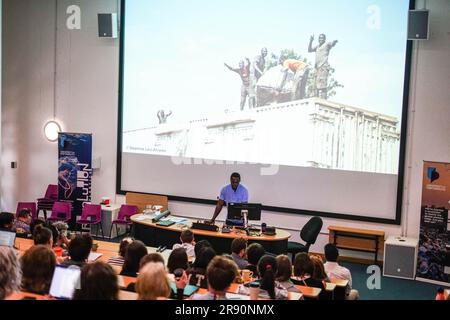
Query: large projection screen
x,y
307,100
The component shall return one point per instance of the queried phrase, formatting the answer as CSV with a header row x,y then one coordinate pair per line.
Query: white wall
x,y
87,86
87,102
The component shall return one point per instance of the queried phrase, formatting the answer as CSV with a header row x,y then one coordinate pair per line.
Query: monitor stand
x,y
235,222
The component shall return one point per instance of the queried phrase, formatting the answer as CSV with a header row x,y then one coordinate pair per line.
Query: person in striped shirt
x,y
118,261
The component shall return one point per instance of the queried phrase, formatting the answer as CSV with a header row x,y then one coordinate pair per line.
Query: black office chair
x,y
309,234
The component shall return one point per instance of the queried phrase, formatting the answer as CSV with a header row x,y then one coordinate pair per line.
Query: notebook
x,y
165,223
93,256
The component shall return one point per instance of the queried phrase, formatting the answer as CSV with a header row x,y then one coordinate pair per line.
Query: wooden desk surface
x,y
123,295
309,292
357,231
291,295
235,233
107,249
330,286
339,282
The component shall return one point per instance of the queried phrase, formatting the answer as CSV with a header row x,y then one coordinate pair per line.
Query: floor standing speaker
x,y
400,257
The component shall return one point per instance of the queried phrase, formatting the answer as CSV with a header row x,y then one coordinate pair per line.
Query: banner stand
x,y
433,263
74,171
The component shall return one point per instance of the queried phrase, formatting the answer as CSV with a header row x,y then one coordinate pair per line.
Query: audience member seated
x,y
269,287
440,295
6,221
58,240
303,271
151,257
284,273
239,252
42,236
38,264
35,223
319,269
178,259
98,281
119,260
255,251
220,274
200,244
10,273
79,250
134,253
336,271
22,224
152,282
187,242
197,273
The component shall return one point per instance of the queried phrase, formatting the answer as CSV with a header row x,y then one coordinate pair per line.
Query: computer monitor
x,y
235,211
7,239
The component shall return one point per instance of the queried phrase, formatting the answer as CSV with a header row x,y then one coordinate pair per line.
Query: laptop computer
x,y
7,238
65,281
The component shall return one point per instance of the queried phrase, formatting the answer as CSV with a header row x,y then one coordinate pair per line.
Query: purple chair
x,y
61,211
27,205
124,217
92,215
46,204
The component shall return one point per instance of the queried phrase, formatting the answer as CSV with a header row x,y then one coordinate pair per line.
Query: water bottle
x,y
263,227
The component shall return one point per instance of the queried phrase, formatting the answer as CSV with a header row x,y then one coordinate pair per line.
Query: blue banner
x,y
75,169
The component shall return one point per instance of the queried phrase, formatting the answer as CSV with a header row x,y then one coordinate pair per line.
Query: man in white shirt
x,y
187,243
334,270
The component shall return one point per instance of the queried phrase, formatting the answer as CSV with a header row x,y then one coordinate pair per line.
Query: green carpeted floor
x,y
391,288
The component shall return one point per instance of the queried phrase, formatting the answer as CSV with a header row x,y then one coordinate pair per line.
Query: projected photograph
x,y
298,83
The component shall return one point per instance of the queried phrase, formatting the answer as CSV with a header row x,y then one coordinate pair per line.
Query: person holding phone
x,y
221,273
181,281
235,192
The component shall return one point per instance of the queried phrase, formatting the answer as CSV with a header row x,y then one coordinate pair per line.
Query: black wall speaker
x,y
418,24
107,25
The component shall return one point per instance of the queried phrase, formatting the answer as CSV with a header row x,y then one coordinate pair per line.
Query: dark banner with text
x,y
434,247
75,169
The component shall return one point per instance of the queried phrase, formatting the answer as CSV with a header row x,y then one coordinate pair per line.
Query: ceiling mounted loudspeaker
x,y
107,25
51,130
418,25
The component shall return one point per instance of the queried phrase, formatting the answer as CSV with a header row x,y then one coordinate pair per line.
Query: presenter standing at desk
x,y
232,193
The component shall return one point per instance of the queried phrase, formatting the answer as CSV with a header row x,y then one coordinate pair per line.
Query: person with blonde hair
x,y
152,282
10,272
